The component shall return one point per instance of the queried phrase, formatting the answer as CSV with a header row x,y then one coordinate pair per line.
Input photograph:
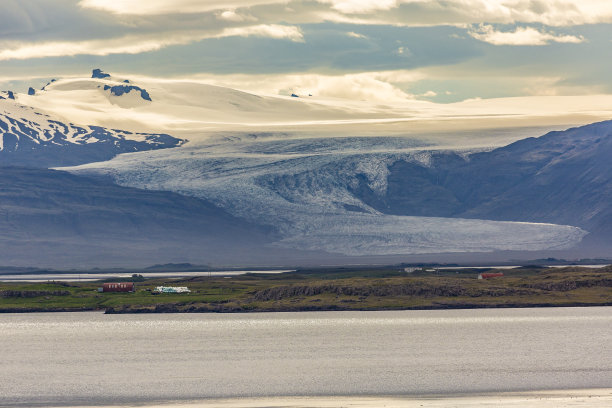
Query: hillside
x,y
330,178
31,138
561,177
49,217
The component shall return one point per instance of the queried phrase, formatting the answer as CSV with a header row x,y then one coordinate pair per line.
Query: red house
x,y
119,287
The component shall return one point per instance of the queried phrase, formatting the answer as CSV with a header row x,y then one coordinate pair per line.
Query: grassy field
x,y
326,289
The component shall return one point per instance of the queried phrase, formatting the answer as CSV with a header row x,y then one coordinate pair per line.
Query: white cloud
x,y
379,87
355,35
403,51
102,27
231,15
135,44
520,36
151,7
458,12
360,6
548,12
396,12
363,86
265,30
92,47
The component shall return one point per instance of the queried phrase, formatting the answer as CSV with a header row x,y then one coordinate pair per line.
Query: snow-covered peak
x,y
27,135
194,109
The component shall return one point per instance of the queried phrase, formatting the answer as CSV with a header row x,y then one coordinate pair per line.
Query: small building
x,y
490,275
172,289
118,287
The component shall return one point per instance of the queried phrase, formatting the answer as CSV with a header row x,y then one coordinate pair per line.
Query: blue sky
x,y
439,50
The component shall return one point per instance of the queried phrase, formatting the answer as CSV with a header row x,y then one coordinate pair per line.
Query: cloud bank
x,y
490,42
520,36
52,28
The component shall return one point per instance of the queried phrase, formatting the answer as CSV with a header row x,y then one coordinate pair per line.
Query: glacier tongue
x,y
302,187
367,234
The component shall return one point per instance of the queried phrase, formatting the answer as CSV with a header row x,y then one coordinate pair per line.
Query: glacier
x,y
301,186
344,177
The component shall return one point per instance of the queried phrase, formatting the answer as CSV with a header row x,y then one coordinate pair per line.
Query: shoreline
x,y
170,310
334,308
591,398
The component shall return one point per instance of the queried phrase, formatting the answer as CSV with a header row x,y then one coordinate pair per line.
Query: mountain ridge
x,y
381,195
561,177
51,217
29,137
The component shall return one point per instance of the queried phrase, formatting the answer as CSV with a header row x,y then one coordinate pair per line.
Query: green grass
x,y
328,289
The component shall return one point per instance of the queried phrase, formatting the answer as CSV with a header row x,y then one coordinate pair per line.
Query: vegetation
x,y
326,289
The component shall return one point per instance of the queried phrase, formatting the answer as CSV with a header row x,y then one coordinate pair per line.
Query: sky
x,y
380,50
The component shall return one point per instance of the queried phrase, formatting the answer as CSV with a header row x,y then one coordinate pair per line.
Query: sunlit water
x,y
90,277
65,358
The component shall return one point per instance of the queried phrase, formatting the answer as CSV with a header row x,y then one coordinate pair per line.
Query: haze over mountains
x,y
55,218
236,178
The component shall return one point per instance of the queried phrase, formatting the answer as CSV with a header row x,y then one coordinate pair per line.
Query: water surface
x,y
90,277
82,358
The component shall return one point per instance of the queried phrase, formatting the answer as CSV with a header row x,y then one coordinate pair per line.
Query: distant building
x,y
172,289
118,287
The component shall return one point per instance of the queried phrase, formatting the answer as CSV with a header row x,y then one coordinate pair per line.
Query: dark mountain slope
x,y
561,177
51,217
569,180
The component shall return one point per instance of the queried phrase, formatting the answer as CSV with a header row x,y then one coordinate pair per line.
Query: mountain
x,y
561,177
50,217
29,137
277,179
308,189
151,105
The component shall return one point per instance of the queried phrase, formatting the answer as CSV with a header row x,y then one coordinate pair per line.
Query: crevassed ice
x,y
302,188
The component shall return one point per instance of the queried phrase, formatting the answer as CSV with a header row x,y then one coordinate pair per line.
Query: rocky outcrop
x,y
119,90
406,289
570,284
98,73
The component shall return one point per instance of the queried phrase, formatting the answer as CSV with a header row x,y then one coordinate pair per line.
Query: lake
x,y
90,277
92,358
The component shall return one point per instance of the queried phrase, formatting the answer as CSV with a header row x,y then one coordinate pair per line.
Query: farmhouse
x,y
118,287
172,289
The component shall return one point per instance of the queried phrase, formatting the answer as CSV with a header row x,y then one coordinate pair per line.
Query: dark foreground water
x,y
81,358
